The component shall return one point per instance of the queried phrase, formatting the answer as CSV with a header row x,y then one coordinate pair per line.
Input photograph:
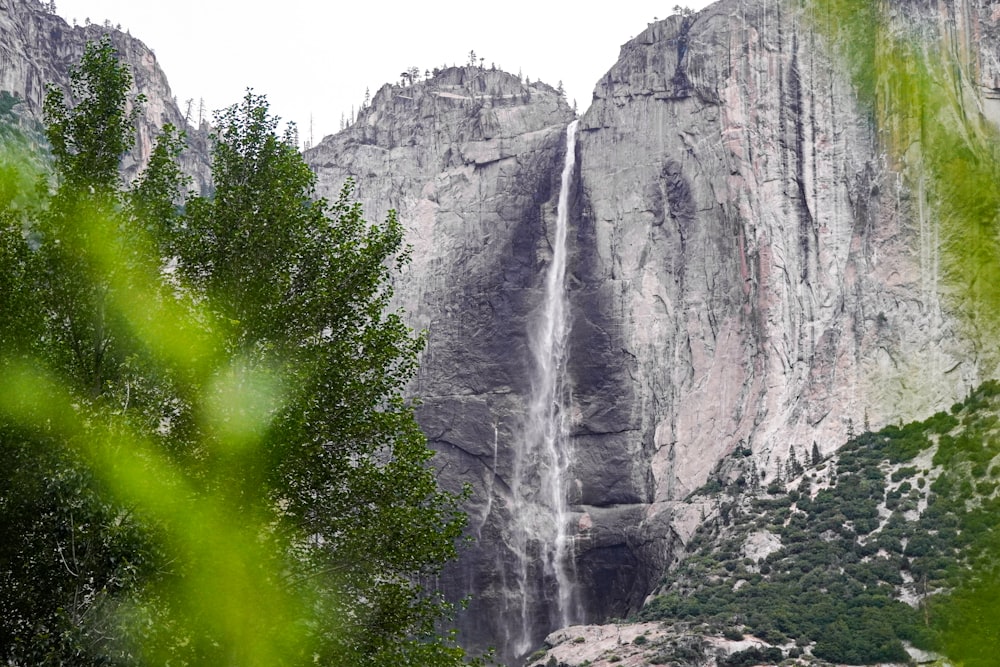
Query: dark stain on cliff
x,y
680,81
808,239
679,198
599,367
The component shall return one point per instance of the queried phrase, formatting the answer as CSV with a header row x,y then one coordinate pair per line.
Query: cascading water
x,y
541,537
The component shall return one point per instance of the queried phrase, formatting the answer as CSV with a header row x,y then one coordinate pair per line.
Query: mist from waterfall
x,y
541,531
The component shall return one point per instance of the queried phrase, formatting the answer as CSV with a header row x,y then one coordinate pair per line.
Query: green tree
x,y
89,140
69,547
207,454
305,283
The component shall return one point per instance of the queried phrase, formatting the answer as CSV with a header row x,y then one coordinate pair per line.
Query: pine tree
x,y
794,467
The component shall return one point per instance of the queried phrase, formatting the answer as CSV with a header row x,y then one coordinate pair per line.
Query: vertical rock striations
x,y
750,270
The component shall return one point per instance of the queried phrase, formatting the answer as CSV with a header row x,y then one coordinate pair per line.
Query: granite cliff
x,y
38,47
470,160
747,270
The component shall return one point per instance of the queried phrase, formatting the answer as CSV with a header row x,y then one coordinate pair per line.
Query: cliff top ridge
x,y
483,102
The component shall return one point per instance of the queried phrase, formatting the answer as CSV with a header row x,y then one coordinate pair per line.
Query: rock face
x,y
470,160
746,270
771,278
750,270
38,48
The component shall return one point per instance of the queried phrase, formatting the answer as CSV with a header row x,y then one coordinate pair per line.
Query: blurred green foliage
x,y
207,457
917,83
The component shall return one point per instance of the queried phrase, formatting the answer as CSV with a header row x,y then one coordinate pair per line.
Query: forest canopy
x,y
207,454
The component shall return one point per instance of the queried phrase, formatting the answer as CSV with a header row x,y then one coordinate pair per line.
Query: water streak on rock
x,y
542,458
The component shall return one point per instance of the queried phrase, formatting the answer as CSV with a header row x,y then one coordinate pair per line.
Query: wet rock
x,y
470,160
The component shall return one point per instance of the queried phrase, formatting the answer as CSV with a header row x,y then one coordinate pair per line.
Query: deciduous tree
x,y
208,458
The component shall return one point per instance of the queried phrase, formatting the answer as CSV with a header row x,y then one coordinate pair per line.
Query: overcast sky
x,y
317,59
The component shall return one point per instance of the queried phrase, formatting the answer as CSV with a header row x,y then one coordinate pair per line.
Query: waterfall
x,y
541,535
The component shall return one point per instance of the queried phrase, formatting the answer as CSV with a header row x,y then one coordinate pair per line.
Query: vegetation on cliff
x,y
893,539
207,457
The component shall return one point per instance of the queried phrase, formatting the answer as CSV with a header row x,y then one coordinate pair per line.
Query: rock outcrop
x,y
470,160
772,280
747,270
37,48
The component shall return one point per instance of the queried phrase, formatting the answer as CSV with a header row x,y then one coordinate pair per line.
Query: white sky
x,y
318,58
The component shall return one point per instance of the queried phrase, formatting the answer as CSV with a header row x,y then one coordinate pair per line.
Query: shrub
x,y
753,656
